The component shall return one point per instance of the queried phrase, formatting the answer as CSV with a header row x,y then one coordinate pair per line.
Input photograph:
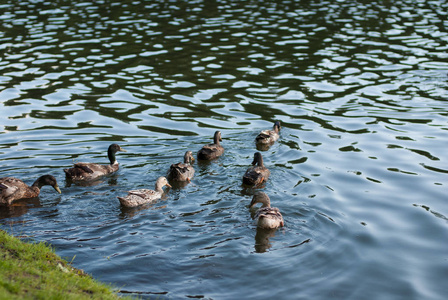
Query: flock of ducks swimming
x,y
267,217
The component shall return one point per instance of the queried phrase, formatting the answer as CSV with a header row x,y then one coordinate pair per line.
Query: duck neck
x,y
111,155
260,161
265,204
276,128
216,139
38,184
159,187
187,159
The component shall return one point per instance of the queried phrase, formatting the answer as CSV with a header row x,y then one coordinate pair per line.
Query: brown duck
x,y
267,217
258,173
88,171
12,189
212,151
182,171
267,137
144,196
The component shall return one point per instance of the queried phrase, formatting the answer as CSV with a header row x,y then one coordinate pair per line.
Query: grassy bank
x,y
34,271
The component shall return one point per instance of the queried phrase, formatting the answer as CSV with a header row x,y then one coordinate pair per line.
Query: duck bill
x,y
121,149
168,185
56,187
252,203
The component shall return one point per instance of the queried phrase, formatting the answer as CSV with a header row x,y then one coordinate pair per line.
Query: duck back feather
x,y
182,171
144,196
88,171
12,188
212,151
258,173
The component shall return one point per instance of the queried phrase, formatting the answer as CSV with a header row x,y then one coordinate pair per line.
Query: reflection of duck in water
x,y
131,212
19,208
268,137
12,189
262,243
88,171
144,196
258,173
111,180
267,217
212,151
182,171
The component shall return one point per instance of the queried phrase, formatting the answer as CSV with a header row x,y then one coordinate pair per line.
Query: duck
x,y
212,151
182,171
12,188
267,217
269,136
88,171
144,196
258,173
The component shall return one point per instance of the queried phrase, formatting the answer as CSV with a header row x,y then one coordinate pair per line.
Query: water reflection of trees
x,y
92,58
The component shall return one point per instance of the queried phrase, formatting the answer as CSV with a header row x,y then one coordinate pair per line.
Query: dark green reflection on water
x,y
359,87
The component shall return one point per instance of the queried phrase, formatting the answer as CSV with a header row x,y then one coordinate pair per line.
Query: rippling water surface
x,y
360,171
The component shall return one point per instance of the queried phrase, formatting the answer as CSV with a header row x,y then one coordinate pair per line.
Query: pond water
x,y
360,172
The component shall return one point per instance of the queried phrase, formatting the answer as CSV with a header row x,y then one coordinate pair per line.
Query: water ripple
x,y
360,89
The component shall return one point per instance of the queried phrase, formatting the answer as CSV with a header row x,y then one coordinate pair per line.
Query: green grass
x,y
34,271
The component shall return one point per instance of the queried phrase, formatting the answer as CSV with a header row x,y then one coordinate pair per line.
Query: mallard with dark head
x,y
267,217
212,151
268,137
182,171
12,189
88,171
258,173
144,196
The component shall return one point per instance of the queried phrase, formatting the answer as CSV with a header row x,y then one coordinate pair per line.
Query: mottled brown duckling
x,y
267,217
267,137
258,173
144,196
212,151
182,171
12,189
88,171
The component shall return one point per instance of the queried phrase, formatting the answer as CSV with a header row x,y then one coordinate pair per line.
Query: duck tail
x,y
122,200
